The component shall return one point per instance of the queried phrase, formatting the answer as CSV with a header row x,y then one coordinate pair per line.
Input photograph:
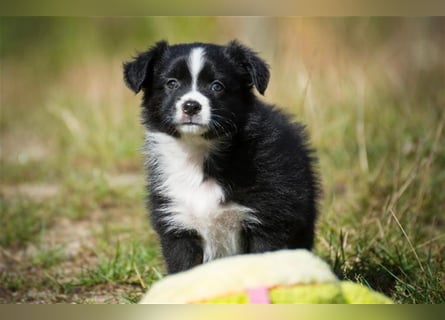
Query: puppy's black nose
x,y
191,107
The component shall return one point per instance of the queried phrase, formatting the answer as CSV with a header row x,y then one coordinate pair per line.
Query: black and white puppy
x,y
228,174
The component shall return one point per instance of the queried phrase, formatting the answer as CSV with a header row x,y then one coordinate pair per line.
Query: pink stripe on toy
x,y
259,295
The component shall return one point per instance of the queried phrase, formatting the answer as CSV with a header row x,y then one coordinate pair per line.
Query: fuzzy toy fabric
x,y
286,276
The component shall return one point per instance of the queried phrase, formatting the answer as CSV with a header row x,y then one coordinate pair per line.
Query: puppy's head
x,y
197,88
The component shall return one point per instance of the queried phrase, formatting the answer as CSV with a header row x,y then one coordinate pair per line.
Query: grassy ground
x,y
72,215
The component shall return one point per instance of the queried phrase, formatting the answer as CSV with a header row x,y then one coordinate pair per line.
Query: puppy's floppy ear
x,y
257,69
136,71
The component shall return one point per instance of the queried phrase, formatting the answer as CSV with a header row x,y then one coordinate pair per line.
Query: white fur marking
x,y
195,63
197,203
202,118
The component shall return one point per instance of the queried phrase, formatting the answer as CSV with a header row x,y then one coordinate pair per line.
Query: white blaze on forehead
x,y
195,63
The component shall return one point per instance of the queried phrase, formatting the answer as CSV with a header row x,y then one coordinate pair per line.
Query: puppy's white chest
x,y
195,203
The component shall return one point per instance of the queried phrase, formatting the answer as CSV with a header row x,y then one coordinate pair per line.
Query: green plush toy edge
x,y
345,293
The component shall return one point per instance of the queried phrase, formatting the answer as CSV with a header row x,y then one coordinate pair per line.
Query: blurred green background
x,y
370,90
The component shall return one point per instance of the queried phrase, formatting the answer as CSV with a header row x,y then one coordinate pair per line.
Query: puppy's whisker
x,y
227,121
224,131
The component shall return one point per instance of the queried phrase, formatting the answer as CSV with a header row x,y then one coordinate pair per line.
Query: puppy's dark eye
x,y
217,86
172,84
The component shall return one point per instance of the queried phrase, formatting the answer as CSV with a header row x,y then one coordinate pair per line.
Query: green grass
x,y
74,226
135,264
20,222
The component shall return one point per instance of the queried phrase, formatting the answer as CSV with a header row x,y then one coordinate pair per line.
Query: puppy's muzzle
x,y
191,107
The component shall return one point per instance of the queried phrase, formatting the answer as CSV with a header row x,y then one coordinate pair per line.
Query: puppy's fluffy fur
x,y
228,174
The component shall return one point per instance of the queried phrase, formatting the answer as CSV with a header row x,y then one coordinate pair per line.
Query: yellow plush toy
x,y
286,276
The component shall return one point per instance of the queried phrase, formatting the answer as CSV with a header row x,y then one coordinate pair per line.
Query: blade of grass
x,y
407,239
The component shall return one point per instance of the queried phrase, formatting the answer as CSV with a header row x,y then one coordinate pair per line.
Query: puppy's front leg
x,y
182,250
